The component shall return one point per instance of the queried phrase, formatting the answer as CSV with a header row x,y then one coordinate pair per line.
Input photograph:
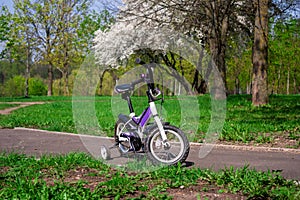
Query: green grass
x,y
35,98
6,105
246,123
54,177
243,121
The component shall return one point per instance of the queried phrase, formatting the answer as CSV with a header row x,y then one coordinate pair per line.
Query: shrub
x,y
16,87
37,87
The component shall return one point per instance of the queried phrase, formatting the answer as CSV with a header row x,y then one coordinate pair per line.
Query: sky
x,y
8,3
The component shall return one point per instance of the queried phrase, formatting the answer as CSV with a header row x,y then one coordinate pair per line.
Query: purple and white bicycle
x,y
160,141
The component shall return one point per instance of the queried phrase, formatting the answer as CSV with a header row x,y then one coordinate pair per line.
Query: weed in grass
x,y
159,192
264,138
119,185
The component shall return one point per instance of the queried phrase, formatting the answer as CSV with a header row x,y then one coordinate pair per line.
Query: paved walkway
x,y
35,142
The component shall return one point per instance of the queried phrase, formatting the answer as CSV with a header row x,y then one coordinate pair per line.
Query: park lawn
x,y
6,105
79,176
243,122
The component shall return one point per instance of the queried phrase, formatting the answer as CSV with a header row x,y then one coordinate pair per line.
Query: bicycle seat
x,y
123,88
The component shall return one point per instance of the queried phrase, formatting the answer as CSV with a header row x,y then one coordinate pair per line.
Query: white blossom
x,y
133,32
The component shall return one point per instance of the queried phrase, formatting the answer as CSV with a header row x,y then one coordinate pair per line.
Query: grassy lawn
x,y
244,123
79,176
6,105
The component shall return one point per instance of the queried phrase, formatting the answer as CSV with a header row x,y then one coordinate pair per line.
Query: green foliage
x,y
255,184
24,177
66,49
239,65
90,23
16,87
37,87
284,57
4,23
8,70
58,33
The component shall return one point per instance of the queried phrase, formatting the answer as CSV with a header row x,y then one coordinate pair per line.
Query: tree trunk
x,y
237,86
260,54
27,79
295,82
27,73
50,80
199,84
217,50
217,45
288,81
65,83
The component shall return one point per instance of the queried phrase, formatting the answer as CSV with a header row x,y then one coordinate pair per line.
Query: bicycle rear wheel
x,y
177,151
124,144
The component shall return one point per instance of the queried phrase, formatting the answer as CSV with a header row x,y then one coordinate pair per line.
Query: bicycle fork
x,y
159,124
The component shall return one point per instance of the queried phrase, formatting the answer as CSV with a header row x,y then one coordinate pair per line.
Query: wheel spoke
x,y
175,152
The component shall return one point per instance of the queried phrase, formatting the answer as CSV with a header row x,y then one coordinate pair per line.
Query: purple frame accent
x,y
135,119
144,117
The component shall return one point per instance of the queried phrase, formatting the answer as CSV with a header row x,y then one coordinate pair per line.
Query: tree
x,y
67,50
260,54
92,22
18,43
4,25
54,24
76,41
260,46
208,22
4,35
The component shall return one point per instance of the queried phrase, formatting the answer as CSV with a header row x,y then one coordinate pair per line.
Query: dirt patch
x,y
19,105
92,178
203,191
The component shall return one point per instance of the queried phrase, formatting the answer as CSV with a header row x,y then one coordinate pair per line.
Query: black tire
x,y
177,152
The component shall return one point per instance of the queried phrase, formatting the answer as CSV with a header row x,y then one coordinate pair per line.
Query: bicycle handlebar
x,y
152,92
137,81
150,81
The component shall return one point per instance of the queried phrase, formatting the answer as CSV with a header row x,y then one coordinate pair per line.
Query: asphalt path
x,y
37,143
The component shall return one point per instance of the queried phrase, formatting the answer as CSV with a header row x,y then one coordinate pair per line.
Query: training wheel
x,y
105,154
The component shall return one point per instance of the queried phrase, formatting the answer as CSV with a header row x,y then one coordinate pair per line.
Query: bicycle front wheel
x,y
177,150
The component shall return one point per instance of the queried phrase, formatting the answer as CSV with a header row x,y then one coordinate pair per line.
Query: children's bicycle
x,y
160,141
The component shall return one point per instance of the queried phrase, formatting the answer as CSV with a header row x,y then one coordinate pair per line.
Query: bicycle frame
x,y
134,133
150,111
143,119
